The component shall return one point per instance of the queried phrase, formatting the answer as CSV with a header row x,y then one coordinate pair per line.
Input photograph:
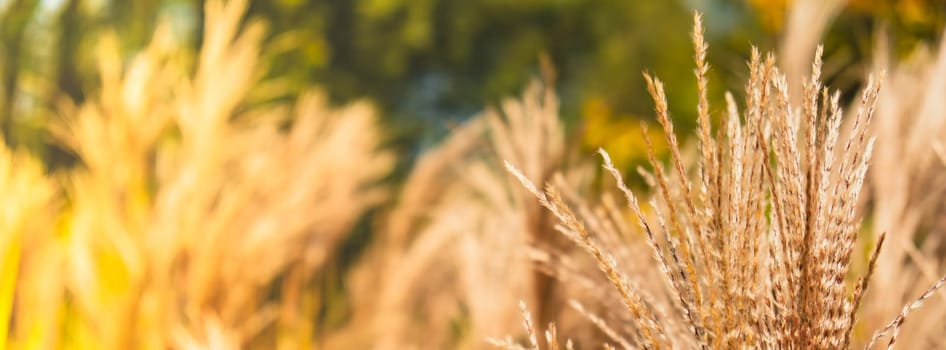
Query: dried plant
x,y
26,243
454,251
196,219
806,24
758,250
906,181
906,190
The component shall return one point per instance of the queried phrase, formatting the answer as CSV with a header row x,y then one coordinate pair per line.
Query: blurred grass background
x,y
430,63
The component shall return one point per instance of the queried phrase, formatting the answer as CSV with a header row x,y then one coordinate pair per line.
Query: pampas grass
x,y
757,251
195,220
454,249
26,245
907,185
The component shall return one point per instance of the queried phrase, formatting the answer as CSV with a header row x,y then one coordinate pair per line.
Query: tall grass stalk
x,y
756,252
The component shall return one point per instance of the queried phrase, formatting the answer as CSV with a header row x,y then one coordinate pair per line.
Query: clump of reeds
x,y
757,251
906,181
906,188
197,218
27,206
453,251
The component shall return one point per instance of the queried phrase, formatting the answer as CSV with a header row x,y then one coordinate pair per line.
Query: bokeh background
x,y
429,64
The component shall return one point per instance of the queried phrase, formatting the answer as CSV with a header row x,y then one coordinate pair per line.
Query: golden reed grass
x,y
756,252
196,219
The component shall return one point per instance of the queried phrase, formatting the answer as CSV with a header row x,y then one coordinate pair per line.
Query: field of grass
x,y
197,217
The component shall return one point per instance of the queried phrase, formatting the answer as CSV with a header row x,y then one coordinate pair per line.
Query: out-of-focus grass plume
x,y
193,220
28,249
